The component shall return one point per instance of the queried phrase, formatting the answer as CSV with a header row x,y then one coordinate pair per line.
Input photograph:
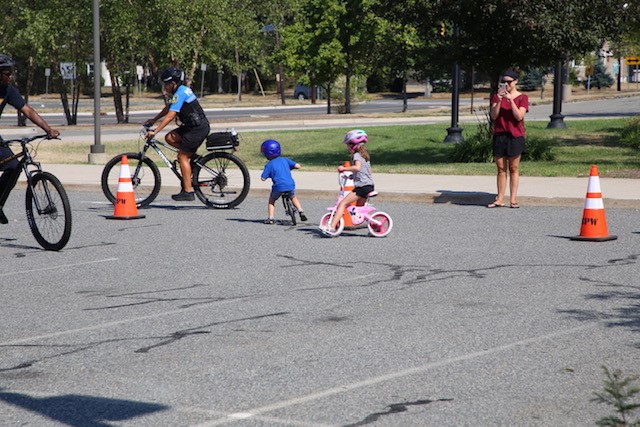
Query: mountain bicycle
x,y
47,203
379,223
220,179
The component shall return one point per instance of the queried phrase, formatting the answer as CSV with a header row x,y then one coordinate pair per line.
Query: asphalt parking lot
x,y
461,316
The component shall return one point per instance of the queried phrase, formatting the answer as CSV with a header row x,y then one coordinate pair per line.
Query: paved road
x,y
461,316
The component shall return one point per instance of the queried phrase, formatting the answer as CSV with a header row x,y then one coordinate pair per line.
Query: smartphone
x,y
502,86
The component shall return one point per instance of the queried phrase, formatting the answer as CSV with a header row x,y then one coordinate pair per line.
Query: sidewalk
x,y
472,190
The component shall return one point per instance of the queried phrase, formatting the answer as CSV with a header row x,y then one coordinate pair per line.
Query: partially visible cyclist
x,y
192,131
10,95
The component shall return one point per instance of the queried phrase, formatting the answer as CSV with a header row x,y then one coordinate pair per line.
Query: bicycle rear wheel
x,y
220,180
289,208
145,178
48,211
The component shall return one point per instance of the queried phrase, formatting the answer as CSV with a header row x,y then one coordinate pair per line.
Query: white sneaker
x,y
327,230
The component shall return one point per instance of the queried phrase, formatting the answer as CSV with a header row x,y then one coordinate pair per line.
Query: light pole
x,y
454,133
97,154
557,118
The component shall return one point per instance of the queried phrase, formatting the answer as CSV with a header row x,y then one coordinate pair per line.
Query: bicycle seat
x,y
372,194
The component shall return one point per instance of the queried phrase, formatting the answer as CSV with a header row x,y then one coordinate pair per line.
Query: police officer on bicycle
x,y
10,95
190,134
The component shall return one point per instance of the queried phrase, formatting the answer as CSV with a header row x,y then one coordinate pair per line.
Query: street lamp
x,y
454,133
97,154
557,118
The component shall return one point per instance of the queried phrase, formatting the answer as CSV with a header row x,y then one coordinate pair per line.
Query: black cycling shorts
x,y
192,138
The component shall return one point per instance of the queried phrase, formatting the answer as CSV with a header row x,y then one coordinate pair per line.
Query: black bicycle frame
x,y
23,165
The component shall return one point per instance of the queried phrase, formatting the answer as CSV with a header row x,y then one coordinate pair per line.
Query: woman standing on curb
x,y
508,107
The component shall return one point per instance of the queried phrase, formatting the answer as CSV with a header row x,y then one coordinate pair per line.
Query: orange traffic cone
x,y
125,206
346,186
594,220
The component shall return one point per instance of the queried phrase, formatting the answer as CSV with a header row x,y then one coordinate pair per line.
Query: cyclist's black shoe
x,y
184,196
269,221
3,217
303,217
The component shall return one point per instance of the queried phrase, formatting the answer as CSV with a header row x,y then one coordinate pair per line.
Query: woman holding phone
x,y
508,107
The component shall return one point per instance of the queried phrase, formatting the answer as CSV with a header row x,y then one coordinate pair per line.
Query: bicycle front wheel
x,y
220,180
48,211
145,178
289,209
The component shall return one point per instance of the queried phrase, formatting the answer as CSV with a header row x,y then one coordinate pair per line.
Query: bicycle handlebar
x,y
26,139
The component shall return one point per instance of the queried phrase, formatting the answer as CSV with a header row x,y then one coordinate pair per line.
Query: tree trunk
x,y
347,92
328,98
404,92
65,102
116,91
239,74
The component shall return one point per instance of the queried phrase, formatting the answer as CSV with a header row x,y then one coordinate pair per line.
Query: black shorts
x,y
504,145
363,191
192,138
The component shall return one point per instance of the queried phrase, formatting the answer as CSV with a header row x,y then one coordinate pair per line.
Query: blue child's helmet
x,y
270,148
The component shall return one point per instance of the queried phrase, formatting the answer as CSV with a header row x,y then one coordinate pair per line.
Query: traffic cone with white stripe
x,y
347,185
594,220
125,206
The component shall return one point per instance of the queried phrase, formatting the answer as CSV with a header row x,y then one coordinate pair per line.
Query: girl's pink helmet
x,y
354,138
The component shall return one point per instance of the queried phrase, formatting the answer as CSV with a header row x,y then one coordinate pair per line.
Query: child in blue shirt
x,y
278,168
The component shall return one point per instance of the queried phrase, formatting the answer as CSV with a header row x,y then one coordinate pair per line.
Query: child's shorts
x,y
363,191
275,194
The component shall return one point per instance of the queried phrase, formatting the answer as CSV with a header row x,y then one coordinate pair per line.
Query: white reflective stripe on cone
x,y
593,203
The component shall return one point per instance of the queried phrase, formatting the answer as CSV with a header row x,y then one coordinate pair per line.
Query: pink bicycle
x,y
379,223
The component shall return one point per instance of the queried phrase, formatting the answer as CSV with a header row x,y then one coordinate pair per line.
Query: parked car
x,y
302,91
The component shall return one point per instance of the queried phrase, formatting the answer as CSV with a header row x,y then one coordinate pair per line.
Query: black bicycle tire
x,y
215,161
289,209
109,186
34,222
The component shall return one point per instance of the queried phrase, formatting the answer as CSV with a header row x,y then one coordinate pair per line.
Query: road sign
x,y
68,70
633,60
588,71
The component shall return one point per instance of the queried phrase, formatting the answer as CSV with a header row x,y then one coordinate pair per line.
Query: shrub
x,y
476,148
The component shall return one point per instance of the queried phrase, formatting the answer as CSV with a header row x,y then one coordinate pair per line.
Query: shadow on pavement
x,y
469,198
86,411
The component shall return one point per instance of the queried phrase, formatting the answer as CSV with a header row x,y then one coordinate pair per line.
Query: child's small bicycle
x,y
288,207
379,223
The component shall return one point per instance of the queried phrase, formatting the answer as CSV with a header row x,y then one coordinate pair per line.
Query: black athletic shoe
x,y
269,221
303,217
184,196
3,217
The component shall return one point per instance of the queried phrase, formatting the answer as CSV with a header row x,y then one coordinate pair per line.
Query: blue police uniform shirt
x,y
279,170
10,95
183,95
185,103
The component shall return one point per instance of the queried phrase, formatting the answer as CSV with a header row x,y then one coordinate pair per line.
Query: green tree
x,y
400,51
311,47
273,16
121,45
51,32
496,34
